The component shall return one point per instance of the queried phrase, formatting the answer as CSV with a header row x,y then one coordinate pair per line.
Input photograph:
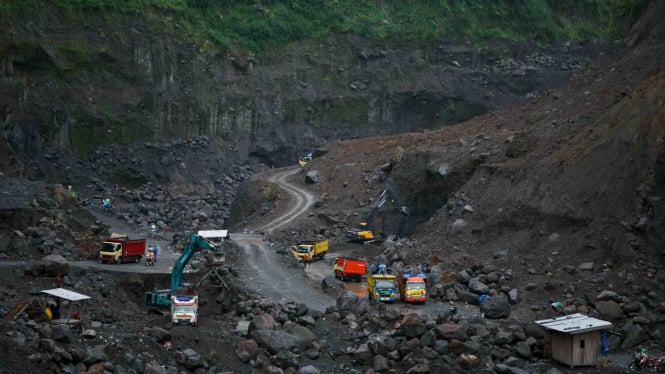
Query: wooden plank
x,y
14,311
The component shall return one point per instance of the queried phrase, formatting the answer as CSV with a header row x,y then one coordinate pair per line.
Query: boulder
x,y
451,331
330,282
609,310
262,322
381,364
467,361
457,226
413,326
495,307
302,333
313,176
349,301
309,369
242,328
275,341
54,265
192,360
160,334
634,336
286,359
247,350
477,286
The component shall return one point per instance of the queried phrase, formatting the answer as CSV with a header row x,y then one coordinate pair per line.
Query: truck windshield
x,y
384,284
416,285
183,309
303,249
108,247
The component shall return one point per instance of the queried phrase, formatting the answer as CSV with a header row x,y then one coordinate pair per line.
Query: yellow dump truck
x,y
382,287
316,249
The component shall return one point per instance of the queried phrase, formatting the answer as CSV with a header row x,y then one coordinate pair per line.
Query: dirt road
x,y
262,269
301,200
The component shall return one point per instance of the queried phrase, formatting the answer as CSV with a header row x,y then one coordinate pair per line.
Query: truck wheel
x,y
118,260
137,259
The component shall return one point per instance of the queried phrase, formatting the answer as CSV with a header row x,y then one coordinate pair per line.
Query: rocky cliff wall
x,y
79,87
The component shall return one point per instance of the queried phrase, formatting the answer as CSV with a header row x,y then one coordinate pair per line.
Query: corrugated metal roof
x,y
66,294
574,323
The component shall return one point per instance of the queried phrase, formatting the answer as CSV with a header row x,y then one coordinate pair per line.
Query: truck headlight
x,y
376,294
392,294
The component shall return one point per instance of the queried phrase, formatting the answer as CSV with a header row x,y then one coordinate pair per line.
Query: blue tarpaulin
x,y
604,344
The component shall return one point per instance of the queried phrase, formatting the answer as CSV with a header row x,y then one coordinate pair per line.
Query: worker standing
x,y
58,280
305,260
156,250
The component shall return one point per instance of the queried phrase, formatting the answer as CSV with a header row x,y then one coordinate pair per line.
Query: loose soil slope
x,y
571,177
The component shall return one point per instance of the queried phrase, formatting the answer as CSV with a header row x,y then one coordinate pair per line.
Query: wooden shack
x,y
575,339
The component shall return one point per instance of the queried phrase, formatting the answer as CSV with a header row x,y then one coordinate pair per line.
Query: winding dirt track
x,y
302,200
262,270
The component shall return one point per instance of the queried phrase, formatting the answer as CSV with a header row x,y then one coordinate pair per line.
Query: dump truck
x,y
382,287
316,249
347,268
412,287
119,249
184,310
360,234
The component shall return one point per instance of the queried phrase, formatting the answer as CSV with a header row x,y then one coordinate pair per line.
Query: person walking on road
x,y
306,259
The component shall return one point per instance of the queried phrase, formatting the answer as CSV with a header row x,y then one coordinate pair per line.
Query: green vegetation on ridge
x,y
255,25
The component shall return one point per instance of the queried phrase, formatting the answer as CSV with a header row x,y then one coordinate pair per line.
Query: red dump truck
x,y
412,288
347,268
119,249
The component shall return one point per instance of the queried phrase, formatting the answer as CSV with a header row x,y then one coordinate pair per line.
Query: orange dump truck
x,y
412,288
347,268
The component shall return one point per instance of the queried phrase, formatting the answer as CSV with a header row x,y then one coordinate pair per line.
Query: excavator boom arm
x,y
196,243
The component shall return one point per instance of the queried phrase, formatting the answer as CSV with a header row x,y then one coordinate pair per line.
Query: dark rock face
x,y
347,87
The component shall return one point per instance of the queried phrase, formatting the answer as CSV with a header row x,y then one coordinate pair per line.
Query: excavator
x,y
360,234
183,301
363,233
302,161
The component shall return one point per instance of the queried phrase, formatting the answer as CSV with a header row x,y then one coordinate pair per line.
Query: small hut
x,y
70,302
575,339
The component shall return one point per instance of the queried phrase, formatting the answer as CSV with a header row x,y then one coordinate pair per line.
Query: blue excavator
x,y
163,297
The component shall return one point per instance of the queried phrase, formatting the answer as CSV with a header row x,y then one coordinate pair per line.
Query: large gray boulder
x,y
302,333
275,341
350,302
609,310
54,265
495,307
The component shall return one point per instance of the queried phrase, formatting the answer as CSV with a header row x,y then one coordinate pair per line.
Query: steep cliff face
x,y
78,87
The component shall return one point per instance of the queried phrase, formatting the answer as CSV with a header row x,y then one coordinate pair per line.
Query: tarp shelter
x,y
575,338
66,294
70,297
